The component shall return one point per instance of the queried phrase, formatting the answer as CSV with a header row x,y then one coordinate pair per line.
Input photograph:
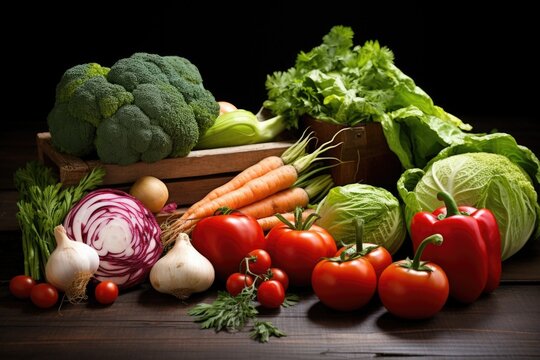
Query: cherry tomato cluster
x,y
257,273
44,295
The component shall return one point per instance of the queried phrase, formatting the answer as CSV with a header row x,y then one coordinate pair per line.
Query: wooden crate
x,y
188,179
365,154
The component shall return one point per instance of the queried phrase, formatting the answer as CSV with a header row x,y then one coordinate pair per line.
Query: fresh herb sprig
x,y
232,313
42,205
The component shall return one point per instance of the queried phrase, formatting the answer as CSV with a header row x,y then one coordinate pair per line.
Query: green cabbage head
x,y
491,172
383,219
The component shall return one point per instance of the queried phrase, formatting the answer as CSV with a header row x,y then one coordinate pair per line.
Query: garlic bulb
x,y
71,265
182,271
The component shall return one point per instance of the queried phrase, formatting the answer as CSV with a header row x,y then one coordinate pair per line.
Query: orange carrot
x,y
254,190
291,198
281,202
269,222
295,151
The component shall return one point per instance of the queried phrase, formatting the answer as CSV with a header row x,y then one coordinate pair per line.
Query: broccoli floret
x,y
130,136
134,71
185,68
70,134
166,107
98,99
75,77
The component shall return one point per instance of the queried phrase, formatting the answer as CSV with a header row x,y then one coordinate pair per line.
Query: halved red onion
x,y
124,233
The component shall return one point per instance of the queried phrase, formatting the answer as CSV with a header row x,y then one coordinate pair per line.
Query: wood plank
x,y
145,324
197,163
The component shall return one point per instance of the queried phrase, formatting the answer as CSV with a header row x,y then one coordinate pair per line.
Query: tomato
x,y
259,261
225,107
281,276
237,282
344,286
21,286
413,294
44,295
379,257
226,239
297,251
106,292
271,294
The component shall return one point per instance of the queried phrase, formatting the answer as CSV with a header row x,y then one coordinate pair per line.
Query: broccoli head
x,y
145,107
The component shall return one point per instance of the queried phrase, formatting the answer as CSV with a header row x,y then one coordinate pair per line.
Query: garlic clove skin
x,y
71,265
182,271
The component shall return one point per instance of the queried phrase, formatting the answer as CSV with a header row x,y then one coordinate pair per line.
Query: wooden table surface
x,y
144,324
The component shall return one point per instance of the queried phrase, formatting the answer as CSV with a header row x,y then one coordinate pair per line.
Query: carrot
x,y
269,222
264,166
254,190
287,200
281,202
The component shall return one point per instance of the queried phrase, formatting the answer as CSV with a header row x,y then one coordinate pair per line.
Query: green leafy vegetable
x,y
262,330
490,171
43,204
344,84
380,210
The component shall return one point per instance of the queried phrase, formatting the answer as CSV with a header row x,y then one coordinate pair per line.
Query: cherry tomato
x,y
271,294
281,276
297,251
225,107
237,282
44,295
344,286
413,294
21,286
259,261
226,239
106,292
379,257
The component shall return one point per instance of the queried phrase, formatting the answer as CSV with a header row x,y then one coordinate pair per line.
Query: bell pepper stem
x,y
449,202
435,239
359,227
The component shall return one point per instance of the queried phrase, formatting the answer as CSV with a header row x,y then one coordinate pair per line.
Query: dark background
x,y
477,63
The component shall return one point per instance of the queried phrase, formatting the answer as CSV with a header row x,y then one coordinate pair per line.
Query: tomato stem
x,y
298,223
359,227
435,239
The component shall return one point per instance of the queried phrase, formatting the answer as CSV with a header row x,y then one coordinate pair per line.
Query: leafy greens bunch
x,y
344,84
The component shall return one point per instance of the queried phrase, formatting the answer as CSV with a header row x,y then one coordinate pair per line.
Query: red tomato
x,y
413,294
379,257
297,251
237,282
226,239
259,261
21,286
225,107
44,295
281,276
106,292
344,286
271,294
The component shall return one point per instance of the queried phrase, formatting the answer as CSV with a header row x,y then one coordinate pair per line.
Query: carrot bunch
x,y
260,188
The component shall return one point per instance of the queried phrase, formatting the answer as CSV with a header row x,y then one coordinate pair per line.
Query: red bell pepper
x,y
471,252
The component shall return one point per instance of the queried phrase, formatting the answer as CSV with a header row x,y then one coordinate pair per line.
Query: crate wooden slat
x,y
188,179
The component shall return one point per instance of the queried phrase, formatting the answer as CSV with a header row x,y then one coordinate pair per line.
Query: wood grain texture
x,y
146,324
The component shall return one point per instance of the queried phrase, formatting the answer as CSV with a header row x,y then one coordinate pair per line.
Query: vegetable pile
x,y
146,107
345,84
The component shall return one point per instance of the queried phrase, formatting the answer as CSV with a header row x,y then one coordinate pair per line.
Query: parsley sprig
x,y
232,313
